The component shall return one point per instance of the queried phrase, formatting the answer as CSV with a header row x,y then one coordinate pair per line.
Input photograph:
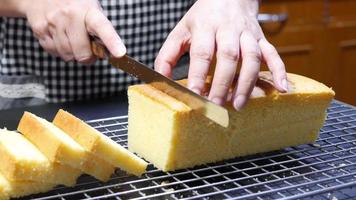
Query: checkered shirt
x,y
142,24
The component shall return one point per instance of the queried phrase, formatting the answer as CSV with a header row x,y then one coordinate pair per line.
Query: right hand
x,y
62,28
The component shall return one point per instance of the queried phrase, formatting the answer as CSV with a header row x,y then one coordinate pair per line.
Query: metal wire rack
x,y
324,170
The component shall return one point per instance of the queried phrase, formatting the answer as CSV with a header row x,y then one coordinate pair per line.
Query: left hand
x,y
225,28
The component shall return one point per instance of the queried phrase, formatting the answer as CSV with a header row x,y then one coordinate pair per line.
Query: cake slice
x,y
61,148
15,189
99,144
52,141
63,175
20,159
26,162
98,168
172,136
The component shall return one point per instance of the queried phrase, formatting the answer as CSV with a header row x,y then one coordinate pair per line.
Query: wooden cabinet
x,y
318,40
341,44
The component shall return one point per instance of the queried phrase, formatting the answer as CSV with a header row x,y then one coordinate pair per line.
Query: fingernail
x,y
239,102
217,101
119,50
285,84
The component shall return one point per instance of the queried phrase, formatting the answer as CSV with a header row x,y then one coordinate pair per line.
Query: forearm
x,y
12,8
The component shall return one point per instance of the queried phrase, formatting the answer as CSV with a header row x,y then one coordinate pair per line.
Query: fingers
x,y
62,29
201,53
40,30
57,30
172,49
79,41
48,44
251,60
97,23
61,41
275,65
227,56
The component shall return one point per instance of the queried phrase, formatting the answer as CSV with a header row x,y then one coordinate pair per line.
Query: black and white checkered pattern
x,y
142,24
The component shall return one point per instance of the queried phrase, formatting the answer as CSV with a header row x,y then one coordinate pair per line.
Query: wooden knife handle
x,y
98,48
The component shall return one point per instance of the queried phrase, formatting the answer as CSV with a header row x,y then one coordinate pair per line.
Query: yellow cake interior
x,y
98,168
63,175
14,189
27,163
52,141
4,188
20,159
121,157
172,136
99,144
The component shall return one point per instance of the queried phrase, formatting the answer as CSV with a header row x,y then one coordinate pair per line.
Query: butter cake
x,y
169,134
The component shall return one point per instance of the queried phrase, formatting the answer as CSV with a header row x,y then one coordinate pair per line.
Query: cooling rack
x,y
324,170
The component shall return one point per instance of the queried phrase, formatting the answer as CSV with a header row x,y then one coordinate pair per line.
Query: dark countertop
x,y
86,110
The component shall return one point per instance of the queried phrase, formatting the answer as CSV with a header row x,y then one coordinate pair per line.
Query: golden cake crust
x,y
264,88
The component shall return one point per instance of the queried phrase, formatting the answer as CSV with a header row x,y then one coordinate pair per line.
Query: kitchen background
x,y
316,38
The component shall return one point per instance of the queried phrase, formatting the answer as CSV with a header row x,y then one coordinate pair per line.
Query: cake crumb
x,y
316,145
164,183
169,189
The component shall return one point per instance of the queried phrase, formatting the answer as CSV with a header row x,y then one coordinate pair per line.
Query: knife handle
x,y
98,48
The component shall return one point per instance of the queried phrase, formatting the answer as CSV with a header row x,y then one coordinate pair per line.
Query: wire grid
x,y
324,170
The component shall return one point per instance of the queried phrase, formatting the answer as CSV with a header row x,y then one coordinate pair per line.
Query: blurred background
x,y
316,38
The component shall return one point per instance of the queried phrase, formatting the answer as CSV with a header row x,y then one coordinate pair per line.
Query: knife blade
x,y
214,112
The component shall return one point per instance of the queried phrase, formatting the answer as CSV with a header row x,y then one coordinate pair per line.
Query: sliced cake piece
x,y
21,160
99,144
64,150
52,141
172,136
16,189
98,168
63,175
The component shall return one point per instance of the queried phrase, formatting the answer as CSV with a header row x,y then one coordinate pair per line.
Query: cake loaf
x,y
172,136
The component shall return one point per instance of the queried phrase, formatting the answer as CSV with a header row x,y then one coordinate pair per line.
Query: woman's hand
x,y
62,28
230,29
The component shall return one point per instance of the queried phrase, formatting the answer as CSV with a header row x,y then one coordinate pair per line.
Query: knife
x,y
214,112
